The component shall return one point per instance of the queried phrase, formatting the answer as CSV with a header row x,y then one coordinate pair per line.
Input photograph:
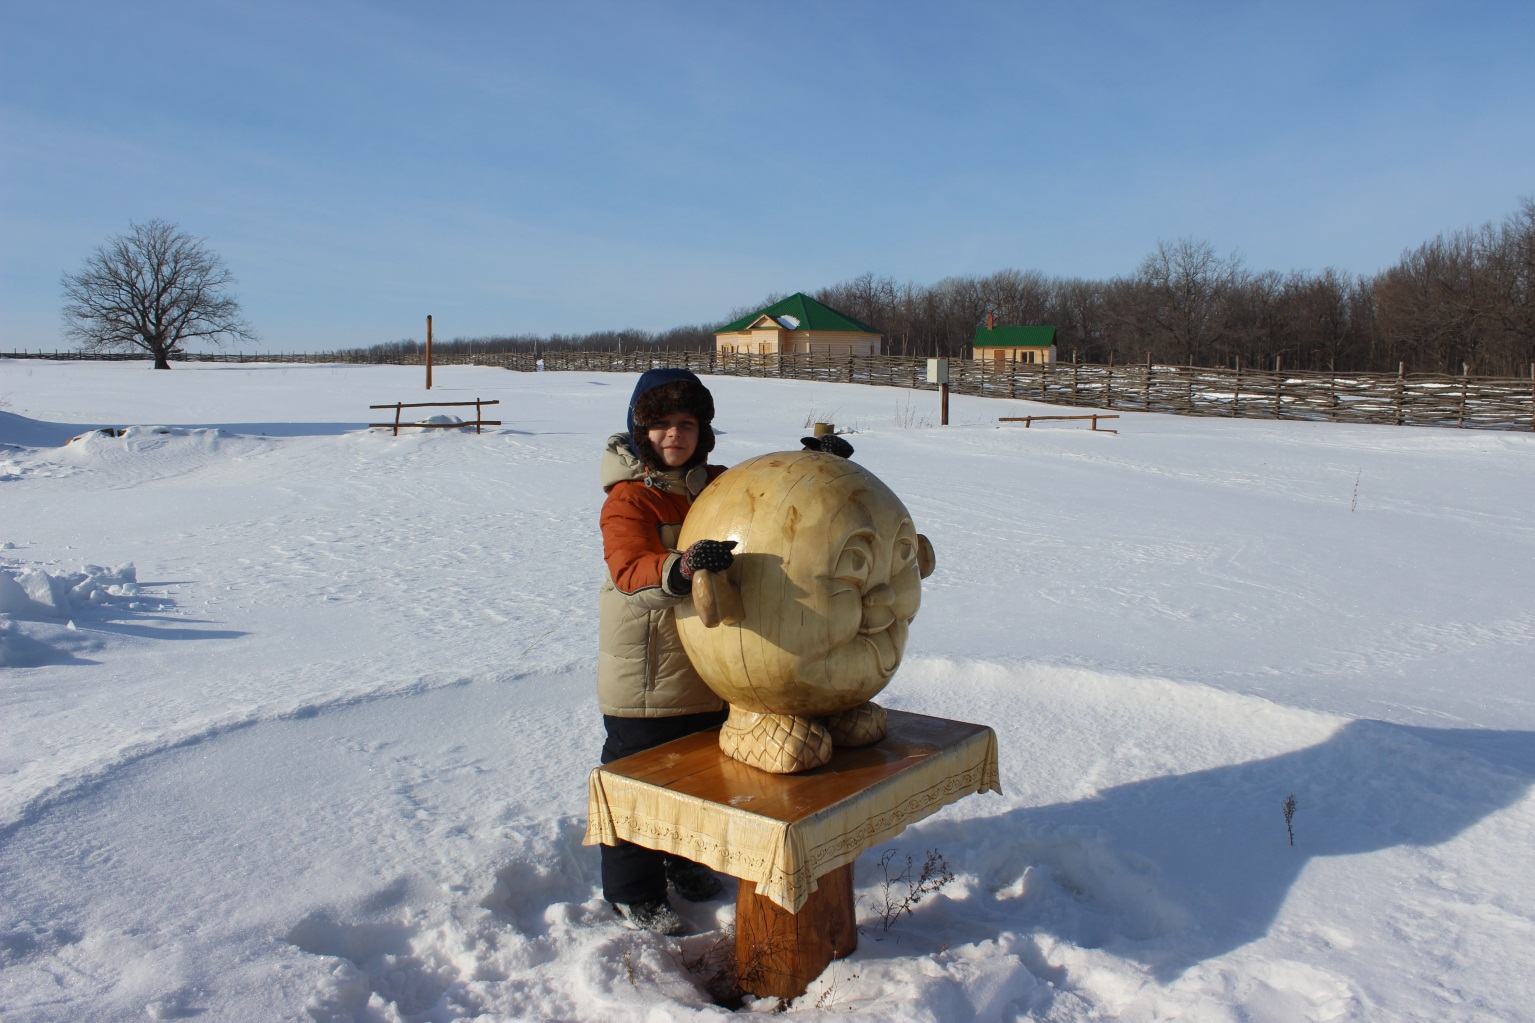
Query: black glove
x,y
829,443
710,555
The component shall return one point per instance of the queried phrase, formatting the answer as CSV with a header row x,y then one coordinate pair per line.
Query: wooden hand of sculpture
x,y
809,622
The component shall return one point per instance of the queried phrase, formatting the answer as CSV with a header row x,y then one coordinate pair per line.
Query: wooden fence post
x,y
1236,395
1465,372
429,353
1401,374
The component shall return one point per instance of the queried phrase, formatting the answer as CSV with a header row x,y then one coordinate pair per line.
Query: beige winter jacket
x,y
642,670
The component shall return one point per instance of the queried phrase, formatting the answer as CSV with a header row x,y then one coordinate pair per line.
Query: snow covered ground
x,y
298,716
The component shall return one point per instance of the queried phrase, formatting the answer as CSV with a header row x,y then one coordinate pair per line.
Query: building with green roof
x,y
798,325
1014,344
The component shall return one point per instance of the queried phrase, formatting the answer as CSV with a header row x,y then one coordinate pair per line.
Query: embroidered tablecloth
x,y
784,831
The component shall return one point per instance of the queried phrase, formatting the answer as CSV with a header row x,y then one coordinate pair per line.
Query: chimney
x,y
991,321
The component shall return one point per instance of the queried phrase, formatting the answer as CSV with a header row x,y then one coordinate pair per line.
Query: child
x,y
646,686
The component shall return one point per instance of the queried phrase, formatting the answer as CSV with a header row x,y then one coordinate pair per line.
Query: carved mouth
x,y
875,629
882,644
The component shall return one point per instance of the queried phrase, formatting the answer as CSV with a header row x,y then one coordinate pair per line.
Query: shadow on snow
x,y
1174,870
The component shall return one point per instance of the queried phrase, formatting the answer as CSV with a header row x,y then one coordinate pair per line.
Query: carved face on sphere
x,y
826,562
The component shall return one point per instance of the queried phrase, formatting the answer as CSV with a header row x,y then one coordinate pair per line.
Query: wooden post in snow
x,y
938,373
429,353
1278,383
1465,380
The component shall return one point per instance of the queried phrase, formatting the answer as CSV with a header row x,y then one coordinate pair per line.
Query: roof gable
x,y
803,311
1014,337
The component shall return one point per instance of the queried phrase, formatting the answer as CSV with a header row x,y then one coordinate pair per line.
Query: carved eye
x,y
903,551
856,560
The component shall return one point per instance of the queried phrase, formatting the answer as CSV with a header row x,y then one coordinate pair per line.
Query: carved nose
x,y
877,615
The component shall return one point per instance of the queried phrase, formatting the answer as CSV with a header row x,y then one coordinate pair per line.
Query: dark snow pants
x,y
632,873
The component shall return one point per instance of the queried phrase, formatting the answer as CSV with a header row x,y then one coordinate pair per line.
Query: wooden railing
x,y
1029,421
479,415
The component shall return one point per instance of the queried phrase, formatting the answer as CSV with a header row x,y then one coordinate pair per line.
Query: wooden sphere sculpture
x,y
827,576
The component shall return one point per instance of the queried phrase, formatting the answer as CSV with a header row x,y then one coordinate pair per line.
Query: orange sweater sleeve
x,y
631,535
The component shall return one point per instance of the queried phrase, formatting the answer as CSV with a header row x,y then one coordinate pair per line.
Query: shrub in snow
x,y
900,893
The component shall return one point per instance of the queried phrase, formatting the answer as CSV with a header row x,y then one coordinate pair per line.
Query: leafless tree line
x,y
1461,300
699,338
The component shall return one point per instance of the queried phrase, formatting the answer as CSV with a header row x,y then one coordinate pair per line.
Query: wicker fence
x,y
1414,399
1410,399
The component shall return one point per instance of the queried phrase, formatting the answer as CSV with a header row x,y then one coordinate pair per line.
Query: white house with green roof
x,y
1014,344
797,325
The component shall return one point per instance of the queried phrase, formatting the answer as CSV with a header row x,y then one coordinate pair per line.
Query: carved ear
x,y
927,560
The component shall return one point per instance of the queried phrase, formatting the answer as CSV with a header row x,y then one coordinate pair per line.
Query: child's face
x,y
674,438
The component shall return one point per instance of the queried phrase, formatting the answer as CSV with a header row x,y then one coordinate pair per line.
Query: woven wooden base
x,y
864,725
776,743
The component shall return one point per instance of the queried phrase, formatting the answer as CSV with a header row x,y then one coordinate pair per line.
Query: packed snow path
x,y
298,715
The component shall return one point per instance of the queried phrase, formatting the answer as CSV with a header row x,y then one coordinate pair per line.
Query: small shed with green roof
x,y
798,325
1015,344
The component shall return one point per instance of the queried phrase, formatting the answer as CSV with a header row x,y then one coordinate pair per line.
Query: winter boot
x,y
692,881
656,917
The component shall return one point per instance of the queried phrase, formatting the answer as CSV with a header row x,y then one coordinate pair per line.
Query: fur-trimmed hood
x,y
659,393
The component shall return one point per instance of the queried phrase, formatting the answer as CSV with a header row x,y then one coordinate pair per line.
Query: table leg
x,y
779,953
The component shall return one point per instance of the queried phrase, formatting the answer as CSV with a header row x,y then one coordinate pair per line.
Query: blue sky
x,y
565,167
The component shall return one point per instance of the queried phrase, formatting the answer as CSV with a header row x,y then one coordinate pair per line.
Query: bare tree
x,y
1508,260
1079,314
154,288
1431,302
1018,298
1318,315
1187,290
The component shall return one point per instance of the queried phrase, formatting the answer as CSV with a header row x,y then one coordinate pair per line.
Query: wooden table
x,y
791,839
